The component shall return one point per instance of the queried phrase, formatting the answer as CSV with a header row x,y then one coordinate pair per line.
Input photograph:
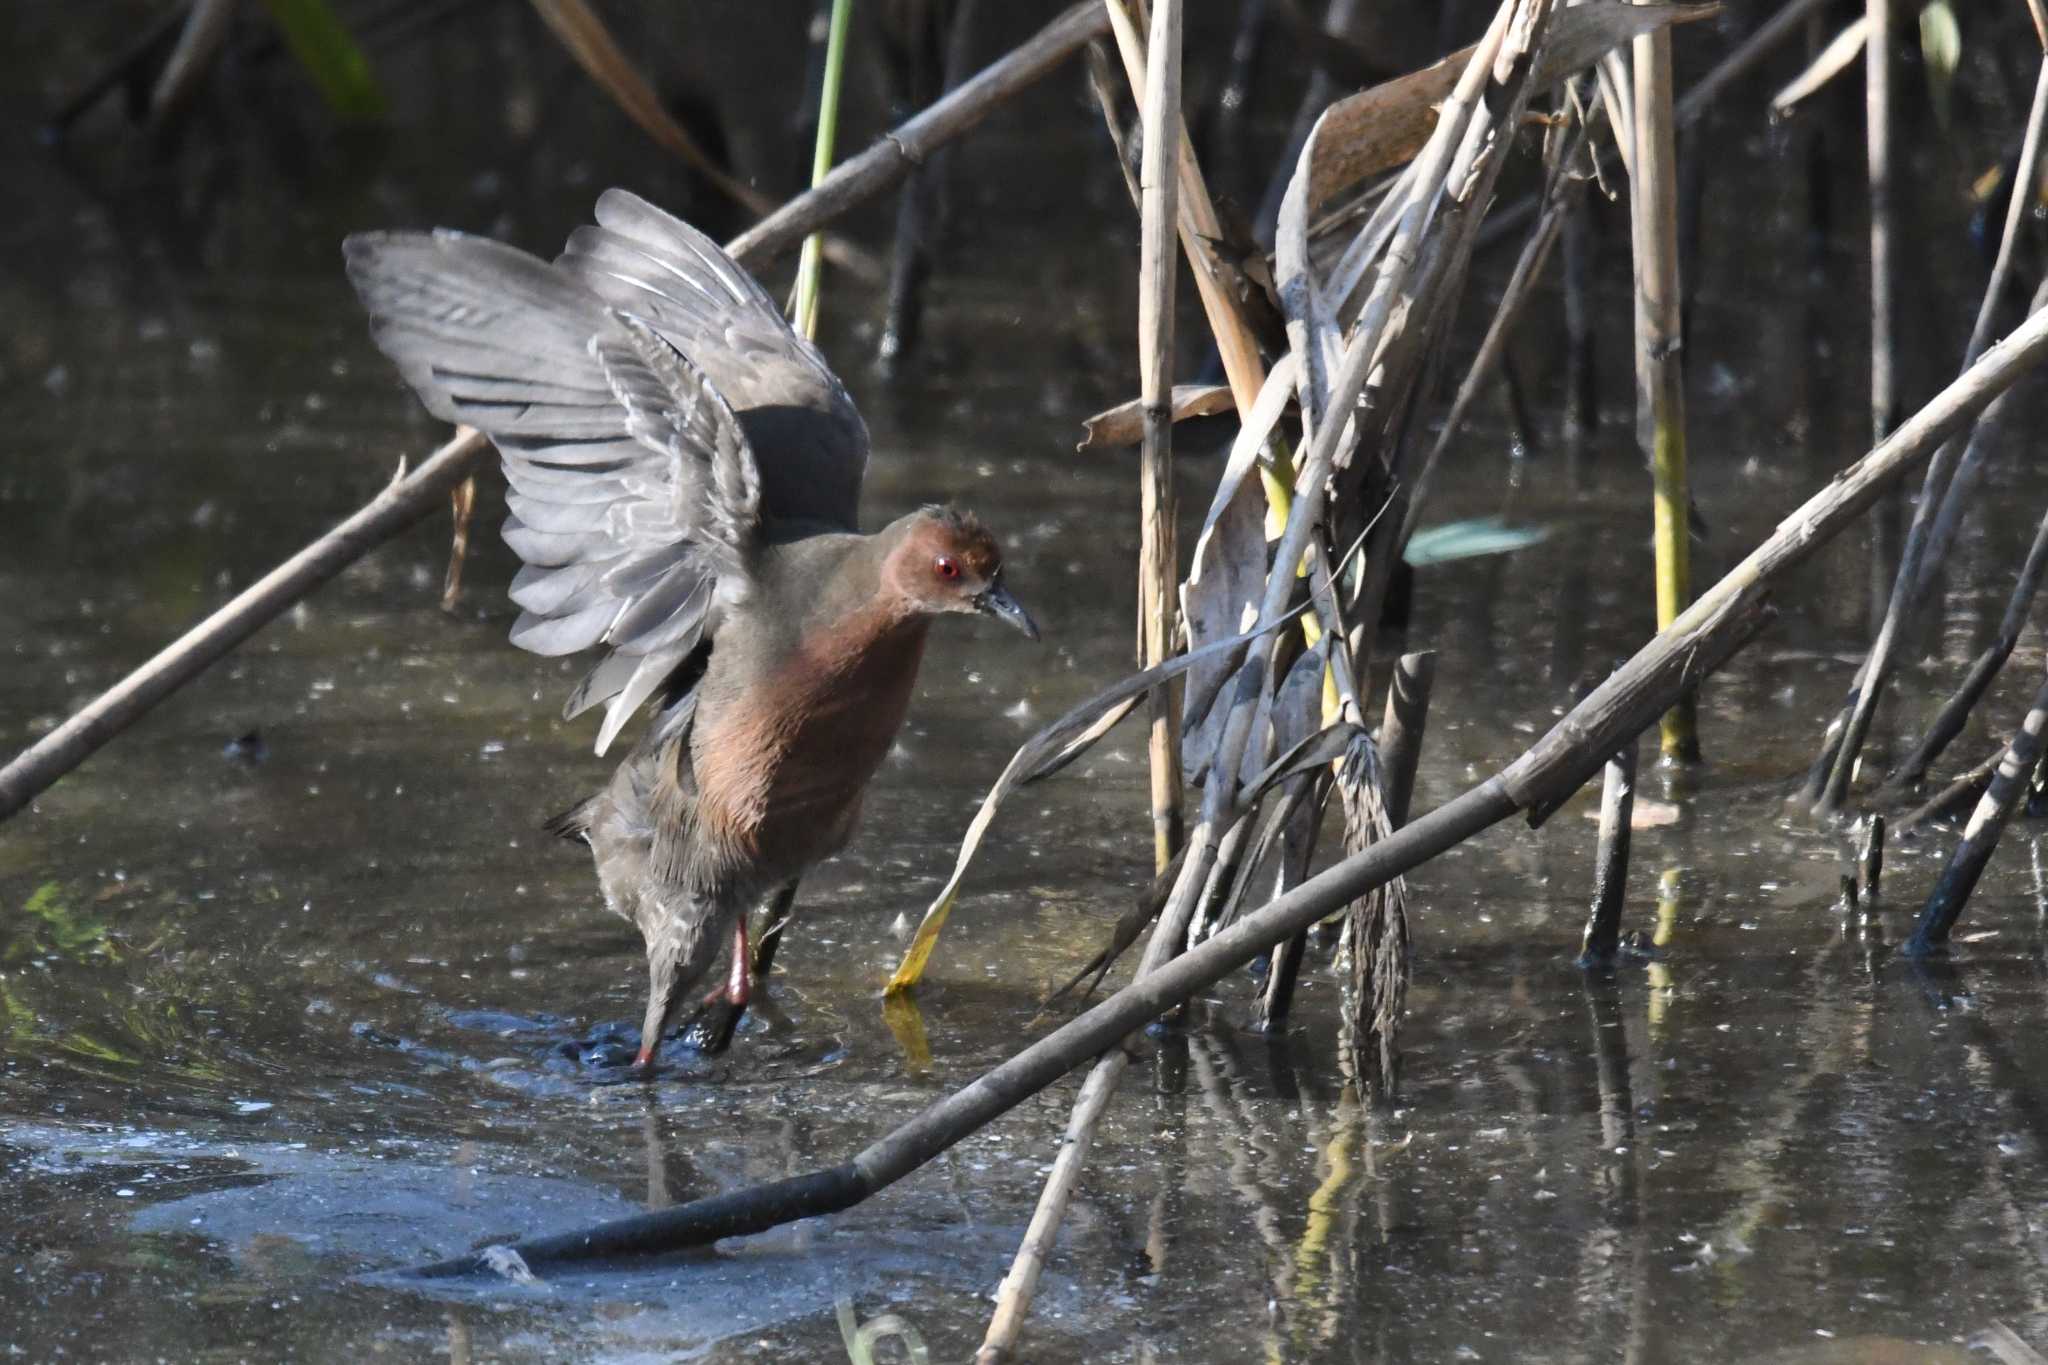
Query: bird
x,y
683,477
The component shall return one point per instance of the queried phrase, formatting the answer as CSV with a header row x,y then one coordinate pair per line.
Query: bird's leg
x,y
739,978
779,914
719,1017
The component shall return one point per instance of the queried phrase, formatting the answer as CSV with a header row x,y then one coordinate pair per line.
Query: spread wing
x,y
654,267
634,491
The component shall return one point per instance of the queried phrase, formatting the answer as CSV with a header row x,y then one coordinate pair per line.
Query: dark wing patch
x,y
664,273
634,491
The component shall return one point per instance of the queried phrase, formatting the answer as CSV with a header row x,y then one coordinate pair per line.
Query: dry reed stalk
x,y
401,503
1158,560
1660,371
1751,50
205,32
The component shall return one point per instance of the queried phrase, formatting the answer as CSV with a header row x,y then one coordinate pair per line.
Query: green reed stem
x,y
810,270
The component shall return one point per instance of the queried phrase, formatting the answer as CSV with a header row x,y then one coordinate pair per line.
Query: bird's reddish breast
x,y
781,764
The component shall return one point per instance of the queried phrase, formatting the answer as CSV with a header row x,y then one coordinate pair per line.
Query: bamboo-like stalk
x,y
810,270
1870,858
1660,373
1158,559
1013,1300
1964,788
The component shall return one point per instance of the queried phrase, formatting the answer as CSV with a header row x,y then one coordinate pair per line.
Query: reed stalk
x,y
810,270
1660,373
1158,558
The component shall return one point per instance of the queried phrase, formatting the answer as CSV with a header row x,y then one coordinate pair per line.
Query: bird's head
x,y
942,559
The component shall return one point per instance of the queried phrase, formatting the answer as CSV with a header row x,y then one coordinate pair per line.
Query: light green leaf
x,y
1941,50
323,46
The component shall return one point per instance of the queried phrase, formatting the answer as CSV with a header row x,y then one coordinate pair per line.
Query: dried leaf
x,y
1228,577
1381,128
1124,424
583,33
1834,59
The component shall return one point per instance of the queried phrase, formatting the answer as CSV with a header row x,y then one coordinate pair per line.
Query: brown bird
x,y
684,476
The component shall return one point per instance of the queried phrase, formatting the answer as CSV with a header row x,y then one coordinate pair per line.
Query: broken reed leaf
x,y
583,34
1228,573
1472,538
1381,128
1295,714
1220,596
1318,750
1124,424
1833,60
1045,752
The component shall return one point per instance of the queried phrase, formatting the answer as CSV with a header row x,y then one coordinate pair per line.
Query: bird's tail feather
x,y
573,823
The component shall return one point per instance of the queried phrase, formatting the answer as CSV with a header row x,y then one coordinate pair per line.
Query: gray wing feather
x,y
634,490
681,285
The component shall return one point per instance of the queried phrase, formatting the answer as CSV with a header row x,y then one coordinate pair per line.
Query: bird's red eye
x,y
946,567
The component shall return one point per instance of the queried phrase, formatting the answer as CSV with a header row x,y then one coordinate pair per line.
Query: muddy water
x,y
293,992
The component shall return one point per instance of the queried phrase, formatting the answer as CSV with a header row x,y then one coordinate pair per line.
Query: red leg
x,y
739,982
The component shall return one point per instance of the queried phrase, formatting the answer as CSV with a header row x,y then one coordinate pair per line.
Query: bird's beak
x,y
995,600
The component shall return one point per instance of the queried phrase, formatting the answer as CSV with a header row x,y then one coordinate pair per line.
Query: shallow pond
x,y
294,993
